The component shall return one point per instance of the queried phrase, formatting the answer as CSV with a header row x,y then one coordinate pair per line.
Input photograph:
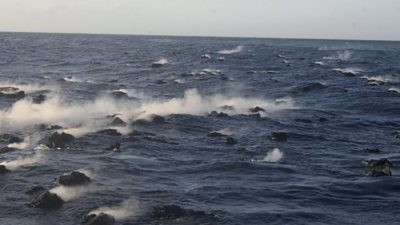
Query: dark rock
x,y
6,150
39,99
16,95
73,179
119,95
57,140
100,219
47,200
35,189
168,212
216,134
3,169
118,122
278,136
111,132
396,134
218,114
230,141
8,138
157,119
381,167
9,89
256,109
160,82
116,147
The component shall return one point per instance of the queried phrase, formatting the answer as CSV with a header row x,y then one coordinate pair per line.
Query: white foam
x,y
70,193
77,80
22,161
393,89
231,51
28,142
384,79
125,210
352,70
79,118
162,61
274,155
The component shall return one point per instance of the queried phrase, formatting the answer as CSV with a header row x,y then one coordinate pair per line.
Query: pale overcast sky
x,y
343,19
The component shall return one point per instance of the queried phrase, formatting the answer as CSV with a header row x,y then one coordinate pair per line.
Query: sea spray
x,y
22,161
125,210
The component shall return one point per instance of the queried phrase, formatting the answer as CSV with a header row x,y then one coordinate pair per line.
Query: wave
x,y
348,71
76,80
231,51
160,62
80,118
381,79
30,88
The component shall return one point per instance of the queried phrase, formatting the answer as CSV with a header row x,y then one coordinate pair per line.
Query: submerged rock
x,y
39,99
111,132
230,141
173,212
310,87
6,150
216,134
278,136
119,95
373,150
57,140
47,200
381,167
35,189
3,169
99,219
75,178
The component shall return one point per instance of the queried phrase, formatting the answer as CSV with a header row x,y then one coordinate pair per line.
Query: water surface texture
x,y
334,100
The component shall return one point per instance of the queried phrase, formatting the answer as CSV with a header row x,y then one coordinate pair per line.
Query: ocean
x,y
227,130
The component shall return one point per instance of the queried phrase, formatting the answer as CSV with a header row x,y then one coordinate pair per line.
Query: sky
x,y
328,19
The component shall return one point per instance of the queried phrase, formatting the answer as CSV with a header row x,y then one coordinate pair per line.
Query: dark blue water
x,y
330,118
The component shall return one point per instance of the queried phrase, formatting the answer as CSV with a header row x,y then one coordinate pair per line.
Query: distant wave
x,y
231,51
349,71
344,56
76,80
382,79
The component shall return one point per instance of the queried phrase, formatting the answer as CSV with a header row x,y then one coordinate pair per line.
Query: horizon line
x,y
201,36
